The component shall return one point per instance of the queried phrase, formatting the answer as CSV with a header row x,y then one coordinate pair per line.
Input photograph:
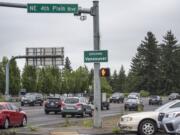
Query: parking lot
x,y
37,117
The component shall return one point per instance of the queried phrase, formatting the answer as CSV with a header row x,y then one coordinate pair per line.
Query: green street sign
x,y
96,56
51,8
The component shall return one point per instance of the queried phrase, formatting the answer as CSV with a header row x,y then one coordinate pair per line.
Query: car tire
x,y
63,115
41,104
32,104
22,104
147,127
46,112
24,122
107,108
83,114
6,123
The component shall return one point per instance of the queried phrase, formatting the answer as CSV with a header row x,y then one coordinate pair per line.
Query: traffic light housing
x,y
104,72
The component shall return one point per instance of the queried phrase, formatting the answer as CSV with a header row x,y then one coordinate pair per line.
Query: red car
x,y
10,115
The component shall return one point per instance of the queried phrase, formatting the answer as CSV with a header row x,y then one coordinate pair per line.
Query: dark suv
x,y
117,98
52,105
155,100
32,99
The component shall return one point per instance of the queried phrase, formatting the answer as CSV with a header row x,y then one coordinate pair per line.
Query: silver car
x,y
76,106
171,122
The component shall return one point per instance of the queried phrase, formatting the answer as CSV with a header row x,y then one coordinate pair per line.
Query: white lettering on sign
x,y
58,8
33,8
95,53
45,8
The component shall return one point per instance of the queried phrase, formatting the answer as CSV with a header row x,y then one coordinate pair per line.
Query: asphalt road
x,y
37,117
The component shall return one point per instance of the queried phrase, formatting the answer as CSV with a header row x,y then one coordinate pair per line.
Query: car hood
x,y
143,114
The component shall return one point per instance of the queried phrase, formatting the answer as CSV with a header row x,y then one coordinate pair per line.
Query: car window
x,y
13,107
175,105
71,100
165,106
1,107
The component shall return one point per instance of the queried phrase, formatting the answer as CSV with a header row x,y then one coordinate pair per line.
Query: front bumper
x,y
128,126
170,125
52,109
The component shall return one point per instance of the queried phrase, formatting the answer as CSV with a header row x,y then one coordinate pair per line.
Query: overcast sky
x,y
123,24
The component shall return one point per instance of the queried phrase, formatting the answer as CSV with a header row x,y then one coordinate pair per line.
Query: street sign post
x,y
96,56
51,8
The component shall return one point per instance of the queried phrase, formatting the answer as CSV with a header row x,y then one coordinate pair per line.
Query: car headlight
x,y
170,115
127,119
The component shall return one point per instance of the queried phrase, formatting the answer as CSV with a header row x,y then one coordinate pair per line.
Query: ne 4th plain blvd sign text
x,y
51,8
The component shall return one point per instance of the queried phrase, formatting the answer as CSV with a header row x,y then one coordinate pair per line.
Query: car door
x,y
16,114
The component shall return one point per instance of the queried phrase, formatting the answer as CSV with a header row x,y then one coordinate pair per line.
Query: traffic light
x,y
104,72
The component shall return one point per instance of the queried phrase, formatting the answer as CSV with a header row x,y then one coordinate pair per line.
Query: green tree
x,y
105,87
114,81
121,80
29,78
15,78
2,79
145,64
67,65
170,66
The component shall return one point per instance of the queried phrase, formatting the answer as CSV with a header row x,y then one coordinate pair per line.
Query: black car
x,y
104,104
32,99
155,100
117,98
133,104
52,105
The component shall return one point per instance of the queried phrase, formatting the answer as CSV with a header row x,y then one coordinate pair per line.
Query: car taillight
x,y
78,106
62,106
45,103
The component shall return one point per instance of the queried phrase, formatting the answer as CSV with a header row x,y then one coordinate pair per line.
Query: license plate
x,y
69,107
52,104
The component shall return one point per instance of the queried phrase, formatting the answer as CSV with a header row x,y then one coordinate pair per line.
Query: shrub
x,y
144,93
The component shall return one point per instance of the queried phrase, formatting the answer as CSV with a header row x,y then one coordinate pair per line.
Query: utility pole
x,y
97,85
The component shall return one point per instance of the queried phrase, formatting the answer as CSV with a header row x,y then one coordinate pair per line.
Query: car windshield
x,y
161,108
115,94
71,100
132,100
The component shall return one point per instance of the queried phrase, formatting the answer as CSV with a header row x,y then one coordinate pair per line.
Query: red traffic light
x,y
104,72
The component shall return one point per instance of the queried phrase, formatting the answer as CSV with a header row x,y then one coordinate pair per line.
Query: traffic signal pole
x,y
97,85
93,11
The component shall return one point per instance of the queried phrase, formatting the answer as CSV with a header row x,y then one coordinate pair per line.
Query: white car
x,y
146,123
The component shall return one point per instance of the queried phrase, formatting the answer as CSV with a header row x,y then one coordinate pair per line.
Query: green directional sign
x,y
96,56
51,8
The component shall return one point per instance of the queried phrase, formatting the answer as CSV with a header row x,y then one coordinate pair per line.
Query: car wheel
x,y
91,114
55,112
83,114
41,104
147,127
24,122
46,112
22,104
63,115
6,124
107,108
